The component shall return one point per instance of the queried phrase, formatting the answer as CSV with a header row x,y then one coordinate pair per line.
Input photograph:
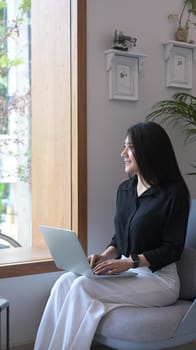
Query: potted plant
x,y
182,107
184,20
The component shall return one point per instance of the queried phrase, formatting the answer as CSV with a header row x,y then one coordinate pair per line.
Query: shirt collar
x,y
132,187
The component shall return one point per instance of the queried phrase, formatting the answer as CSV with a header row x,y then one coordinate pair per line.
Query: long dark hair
x,y
155,155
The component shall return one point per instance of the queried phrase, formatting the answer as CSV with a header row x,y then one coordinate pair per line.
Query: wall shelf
x,y
169,46
179,58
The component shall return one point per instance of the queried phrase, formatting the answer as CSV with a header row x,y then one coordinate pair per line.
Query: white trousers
x,y
76,304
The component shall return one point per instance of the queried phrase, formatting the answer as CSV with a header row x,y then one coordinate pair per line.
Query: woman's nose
x,y
123,153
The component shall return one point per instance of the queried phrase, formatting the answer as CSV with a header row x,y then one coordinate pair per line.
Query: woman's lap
x,y
146,289
86,301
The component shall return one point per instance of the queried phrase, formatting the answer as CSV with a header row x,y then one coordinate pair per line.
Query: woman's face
x,y
127,154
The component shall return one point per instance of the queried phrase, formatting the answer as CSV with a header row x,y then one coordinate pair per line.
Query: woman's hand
x,y
109,253
95,259
112,266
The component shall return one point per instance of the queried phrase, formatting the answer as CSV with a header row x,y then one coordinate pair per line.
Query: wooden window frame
x,y
27,261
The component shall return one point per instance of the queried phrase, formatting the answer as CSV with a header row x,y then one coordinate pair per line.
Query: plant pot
x,y
182,34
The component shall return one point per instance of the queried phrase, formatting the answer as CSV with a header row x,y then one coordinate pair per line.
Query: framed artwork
x,y
179,60
123,69
123,78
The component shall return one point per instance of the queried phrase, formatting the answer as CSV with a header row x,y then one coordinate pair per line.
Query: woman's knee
x,y
64,281
82,282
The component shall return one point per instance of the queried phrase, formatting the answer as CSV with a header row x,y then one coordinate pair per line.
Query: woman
x,y
152,210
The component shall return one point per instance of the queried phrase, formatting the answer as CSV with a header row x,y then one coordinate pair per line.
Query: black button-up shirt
x,y
153,224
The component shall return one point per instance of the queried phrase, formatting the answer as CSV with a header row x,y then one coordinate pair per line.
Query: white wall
x,y
109,120
107,123
27,296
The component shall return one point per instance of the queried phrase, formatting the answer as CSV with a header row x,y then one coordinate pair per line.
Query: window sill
x,y
25,261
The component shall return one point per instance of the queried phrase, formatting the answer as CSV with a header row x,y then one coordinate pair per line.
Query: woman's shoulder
x,y
177,192
175,188
127,184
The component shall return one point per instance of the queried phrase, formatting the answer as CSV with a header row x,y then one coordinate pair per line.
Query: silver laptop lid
x,y
66,250
68,253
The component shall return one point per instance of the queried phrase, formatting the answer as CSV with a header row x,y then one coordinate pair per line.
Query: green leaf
x,y
182,108
3,4
16,62
191,4
6,62
25,5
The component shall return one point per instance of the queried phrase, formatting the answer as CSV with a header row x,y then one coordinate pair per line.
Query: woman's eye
x,y
131,148
128,147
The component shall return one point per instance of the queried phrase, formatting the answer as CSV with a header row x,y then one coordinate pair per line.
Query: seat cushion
x,y
186,270
191,228
143,324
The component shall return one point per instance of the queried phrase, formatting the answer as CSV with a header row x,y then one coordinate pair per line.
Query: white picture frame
x,y
123,78
179,62
123,70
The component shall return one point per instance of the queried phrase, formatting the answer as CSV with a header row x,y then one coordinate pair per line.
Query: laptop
x,y
68,253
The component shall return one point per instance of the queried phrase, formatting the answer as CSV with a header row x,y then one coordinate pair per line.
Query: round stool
x,y
4,304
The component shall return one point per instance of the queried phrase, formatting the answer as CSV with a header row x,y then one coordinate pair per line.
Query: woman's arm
x,y
173,234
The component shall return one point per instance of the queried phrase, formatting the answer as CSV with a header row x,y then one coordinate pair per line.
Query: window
x,y
58,126
15,190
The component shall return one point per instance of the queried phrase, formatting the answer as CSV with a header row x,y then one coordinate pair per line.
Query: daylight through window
x,y
15,121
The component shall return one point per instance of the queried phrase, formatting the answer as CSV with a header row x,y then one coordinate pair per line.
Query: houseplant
x,y
181,108
184,20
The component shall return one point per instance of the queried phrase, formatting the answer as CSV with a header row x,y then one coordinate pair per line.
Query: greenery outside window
x,y
15,120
